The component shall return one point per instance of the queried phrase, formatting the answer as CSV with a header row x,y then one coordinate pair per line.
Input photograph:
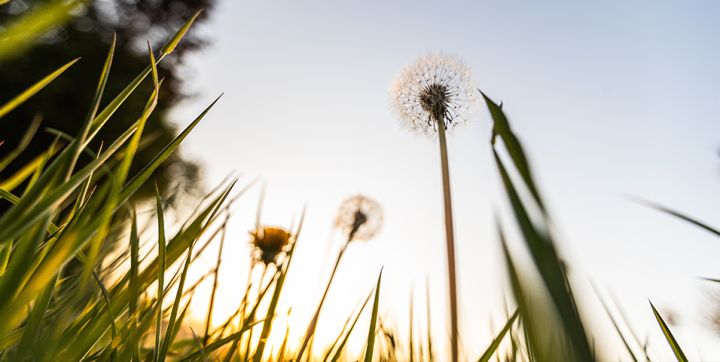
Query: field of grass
x,y
133,304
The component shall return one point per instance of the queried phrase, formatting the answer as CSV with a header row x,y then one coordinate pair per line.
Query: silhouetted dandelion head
x,y
359,217
269,242
434,88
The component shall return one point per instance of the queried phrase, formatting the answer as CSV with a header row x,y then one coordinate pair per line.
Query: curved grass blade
x,y
678,215
24,142
496,342
550,267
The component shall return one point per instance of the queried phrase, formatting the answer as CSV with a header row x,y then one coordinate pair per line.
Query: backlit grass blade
x,y
429,321
170,336
373,322
161,271
139,179
679,215
34,321
173,42
76,147
615,324
220,343
550,268
28,169
530,328
134,286
501,127
498,339
24,142
346,337
679,354
110,109
216,271
25,95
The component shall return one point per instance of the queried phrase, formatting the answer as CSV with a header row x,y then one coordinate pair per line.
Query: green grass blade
x,y
216,273
161,271
501,127
679,215
76,147
614,323
28,29
373,322
139,179
550,267
165,346
679,354
341,346
25,95
498,339
134,286
24,142
173,42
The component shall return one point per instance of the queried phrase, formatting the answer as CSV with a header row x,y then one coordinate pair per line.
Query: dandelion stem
x,y
449,239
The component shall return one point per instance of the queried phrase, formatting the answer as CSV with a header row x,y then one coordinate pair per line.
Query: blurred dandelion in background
x,y
359,217
431,95
269,242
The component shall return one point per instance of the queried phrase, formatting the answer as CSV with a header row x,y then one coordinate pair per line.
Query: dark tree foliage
x,y
64,104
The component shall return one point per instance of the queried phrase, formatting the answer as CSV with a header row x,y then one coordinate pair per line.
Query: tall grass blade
x,y
134,287
373,322
161,271
341,346
490,351
501,127
679,354
25,95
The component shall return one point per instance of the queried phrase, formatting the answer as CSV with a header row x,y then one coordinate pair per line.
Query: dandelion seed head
x,y
269,242
435,87
359,217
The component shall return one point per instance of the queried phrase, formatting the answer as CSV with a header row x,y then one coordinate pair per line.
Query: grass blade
x,y
669,336
25,95
160,273
373,322
496,342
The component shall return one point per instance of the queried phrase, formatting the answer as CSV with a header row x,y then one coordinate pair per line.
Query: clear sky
x,y
610,99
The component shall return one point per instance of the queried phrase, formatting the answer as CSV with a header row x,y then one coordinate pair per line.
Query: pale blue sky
x,y
609,98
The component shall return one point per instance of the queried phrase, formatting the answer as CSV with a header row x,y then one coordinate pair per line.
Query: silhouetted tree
x,y
64,104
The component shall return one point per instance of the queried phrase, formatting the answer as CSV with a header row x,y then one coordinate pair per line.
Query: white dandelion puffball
x,y
359,217
434,88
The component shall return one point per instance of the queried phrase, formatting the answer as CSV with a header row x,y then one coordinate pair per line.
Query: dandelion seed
x,y
435,89
359,217
269,242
